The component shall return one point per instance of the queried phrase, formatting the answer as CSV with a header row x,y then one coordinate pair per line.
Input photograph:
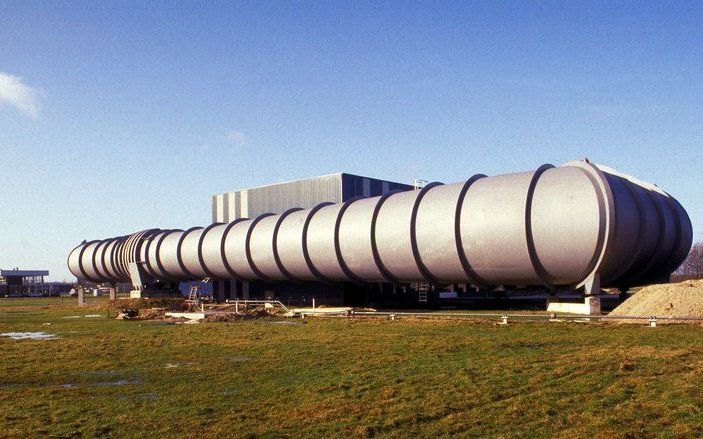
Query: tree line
x,y
692,267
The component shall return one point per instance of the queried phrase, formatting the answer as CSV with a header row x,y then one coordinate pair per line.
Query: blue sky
x,y
115,117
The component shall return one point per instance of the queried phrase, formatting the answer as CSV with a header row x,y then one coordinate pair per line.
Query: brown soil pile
x,y
146,309
171,304
684,299
225,316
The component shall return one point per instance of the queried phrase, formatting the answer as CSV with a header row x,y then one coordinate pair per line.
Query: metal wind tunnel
x,y
578,225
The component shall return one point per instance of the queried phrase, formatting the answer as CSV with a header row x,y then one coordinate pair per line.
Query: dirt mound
x,y
684,299
226,316
146,309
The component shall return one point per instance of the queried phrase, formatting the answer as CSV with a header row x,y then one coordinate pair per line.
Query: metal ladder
x,y
193,295
422,290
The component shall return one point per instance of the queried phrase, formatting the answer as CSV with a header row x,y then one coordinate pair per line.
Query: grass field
x,y
338,377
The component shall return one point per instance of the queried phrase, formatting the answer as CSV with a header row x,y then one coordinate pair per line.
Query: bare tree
x,y
692,267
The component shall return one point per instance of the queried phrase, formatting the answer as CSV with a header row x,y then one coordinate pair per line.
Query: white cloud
x,y
237,137
14,92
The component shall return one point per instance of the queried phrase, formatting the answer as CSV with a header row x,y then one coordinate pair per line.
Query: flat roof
x,y
334,174
23,273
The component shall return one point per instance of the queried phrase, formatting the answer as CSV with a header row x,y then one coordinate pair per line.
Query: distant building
x,y
306,193
29,283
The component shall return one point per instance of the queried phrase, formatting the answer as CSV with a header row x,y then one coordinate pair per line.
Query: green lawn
x,y
334,377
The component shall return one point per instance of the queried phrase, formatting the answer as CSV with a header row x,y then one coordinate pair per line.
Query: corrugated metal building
x,y
277,198
307,193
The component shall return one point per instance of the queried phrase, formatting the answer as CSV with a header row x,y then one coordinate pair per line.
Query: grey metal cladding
x,y
555,227
306,193
302,193
225,207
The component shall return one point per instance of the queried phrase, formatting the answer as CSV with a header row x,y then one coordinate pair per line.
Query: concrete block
x,y
590,306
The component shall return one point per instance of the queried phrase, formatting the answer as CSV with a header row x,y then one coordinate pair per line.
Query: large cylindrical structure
x,y
556,227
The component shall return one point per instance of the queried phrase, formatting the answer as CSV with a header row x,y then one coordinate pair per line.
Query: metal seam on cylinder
x,y
276,256
474,278
101,260
68,260
424,271
129,253
160,264
123,265
223,253
80,261
201,259
622,274
247,248
94,261
113,271
179,257
147,263
97,278
103,263
115,253
374,248
144,238
124,253
643,273
677,237
337,247
106,254
606,224
304,238
546,279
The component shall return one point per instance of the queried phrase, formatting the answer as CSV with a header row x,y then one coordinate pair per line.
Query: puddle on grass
x,y
286,323
92,315
68,386
71,317
29,335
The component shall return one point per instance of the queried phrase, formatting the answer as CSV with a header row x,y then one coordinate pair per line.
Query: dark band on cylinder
x,y
201,260
80,261
306,253
374,248
247,248
158,253
274,244
179,256
424,271
537,266
223,253
470,273
337,247
677,238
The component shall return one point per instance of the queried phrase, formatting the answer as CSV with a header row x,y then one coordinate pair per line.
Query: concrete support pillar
x,y
236,289
113,292
245,289
81,295
592,286
218,288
